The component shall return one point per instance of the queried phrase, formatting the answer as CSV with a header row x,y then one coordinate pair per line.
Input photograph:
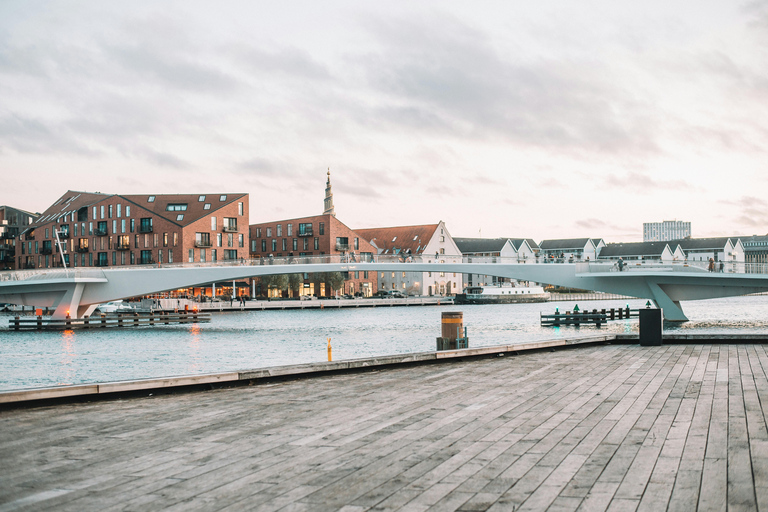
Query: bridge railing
x,y
50,273
732,267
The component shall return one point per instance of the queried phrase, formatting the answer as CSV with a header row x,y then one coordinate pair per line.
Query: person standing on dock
x,y
621,265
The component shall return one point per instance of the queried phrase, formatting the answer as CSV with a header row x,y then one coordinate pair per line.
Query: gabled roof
x,y
195,208
476,245
394,240
754,241
633,249
564,244
518,242
688,244
69,202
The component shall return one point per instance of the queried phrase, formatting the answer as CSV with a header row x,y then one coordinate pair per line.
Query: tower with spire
x,y
328,203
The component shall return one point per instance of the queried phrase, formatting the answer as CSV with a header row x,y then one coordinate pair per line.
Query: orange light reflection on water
x,y
67,357
194,348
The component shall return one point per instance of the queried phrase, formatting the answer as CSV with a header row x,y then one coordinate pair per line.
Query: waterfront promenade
x,y
607,427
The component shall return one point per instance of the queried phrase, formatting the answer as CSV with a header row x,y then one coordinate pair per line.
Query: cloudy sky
x,y
542,120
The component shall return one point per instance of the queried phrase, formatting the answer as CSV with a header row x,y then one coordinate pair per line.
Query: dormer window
x,y
201,199
180,216
394,239
223,198
181,207
151,199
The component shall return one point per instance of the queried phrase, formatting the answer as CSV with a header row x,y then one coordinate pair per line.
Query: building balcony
x,y
98,263
230,229
81,249
123,247
342,247
306,233
63,235
46,250
146,261
5,235
145,229
29,237
203,244
99,232
7,259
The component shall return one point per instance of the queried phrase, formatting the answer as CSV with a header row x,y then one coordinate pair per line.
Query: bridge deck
x,y
619,427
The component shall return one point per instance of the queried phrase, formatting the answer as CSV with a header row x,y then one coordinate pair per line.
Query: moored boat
x,y
502,295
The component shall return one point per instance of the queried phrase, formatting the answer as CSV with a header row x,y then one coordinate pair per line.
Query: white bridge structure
x,y
76,292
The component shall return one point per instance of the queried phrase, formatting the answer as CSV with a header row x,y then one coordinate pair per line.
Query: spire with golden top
x,y
328,204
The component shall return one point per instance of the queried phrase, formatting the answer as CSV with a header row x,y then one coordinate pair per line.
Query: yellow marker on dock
x,y
330,358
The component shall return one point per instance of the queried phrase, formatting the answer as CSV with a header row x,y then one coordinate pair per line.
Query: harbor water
x,y
257,339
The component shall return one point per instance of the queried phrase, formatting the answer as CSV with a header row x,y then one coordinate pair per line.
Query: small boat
x,y
505,294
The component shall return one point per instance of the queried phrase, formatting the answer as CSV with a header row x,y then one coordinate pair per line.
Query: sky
x,y
540,120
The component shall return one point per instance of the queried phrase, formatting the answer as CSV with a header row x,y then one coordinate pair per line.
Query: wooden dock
x,y
611,427
110,320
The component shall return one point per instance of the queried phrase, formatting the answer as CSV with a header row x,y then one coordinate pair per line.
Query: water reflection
x,y
193,365
67,371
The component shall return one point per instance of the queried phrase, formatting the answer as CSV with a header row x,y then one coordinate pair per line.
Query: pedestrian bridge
x,y
76,292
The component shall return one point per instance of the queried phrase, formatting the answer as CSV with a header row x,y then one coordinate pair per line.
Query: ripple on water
x,y
245,340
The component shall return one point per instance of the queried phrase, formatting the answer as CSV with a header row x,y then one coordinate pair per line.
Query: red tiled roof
x,y
195,208
69,202
398,239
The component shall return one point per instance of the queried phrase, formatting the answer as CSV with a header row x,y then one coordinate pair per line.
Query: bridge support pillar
x,y
673,312
69,303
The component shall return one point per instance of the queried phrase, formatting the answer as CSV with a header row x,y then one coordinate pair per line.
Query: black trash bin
x,y
650,327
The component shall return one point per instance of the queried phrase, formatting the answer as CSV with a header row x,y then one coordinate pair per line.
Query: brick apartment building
x,y
313,236
100,230
12,222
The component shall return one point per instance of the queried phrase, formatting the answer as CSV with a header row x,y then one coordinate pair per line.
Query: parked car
x,y
396,294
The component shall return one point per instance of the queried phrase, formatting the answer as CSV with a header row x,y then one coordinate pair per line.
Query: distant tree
x,y
295,282
278,282
335,280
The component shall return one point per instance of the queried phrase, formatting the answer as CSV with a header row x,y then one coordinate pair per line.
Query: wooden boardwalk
x,y
615,427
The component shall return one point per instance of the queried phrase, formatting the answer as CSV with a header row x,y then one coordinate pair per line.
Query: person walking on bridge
x,y
711,264
621,264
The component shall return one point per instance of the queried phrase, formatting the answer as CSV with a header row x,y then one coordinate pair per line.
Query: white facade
x,y
666,230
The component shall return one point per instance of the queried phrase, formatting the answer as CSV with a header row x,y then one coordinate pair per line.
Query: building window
x,y
269,232
145,225
127,210
230,224
218,239
133,225
285,244
357,244
223,198
295,244
110,211
119,208
214,258
170,256
322,228
279,230
175,239
200,199
258,232
101,211
165,239
190,255
306,244
253,245
317,243
151,199
114,226
365,274
202,255
240,240
290,230
146,257
357,274
180,216
305,229
230,239
207,206
274,245
179,207
263,246
240,209
213,224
